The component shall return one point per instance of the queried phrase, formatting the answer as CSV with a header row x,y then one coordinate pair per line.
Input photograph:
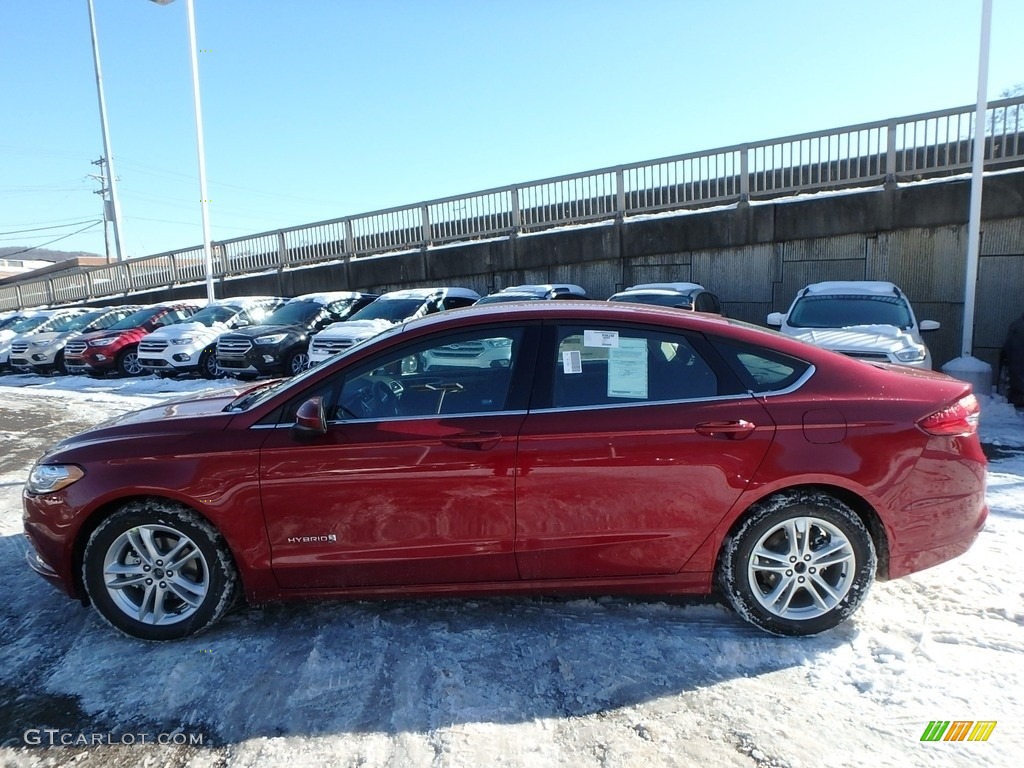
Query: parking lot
x,y
507,681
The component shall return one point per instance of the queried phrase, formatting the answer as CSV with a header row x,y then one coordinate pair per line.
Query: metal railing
x,y
899,149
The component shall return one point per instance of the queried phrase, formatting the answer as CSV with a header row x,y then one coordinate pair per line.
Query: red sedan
x,y
571,448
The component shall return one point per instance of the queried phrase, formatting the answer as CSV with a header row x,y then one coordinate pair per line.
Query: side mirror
x,y
930,325
310,420
775,318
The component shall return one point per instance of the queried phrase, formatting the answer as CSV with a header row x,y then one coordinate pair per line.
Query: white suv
x,y
191,346
866,319
389,309
20,333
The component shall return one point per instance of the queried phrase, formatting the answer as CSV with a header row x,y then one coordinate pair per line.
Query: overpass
x,y
752,222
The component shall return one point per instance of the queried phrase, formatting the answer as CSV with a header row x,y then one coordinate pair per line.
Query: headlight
x,y
102,342
44,343
47,478
913,355
274,338
183,340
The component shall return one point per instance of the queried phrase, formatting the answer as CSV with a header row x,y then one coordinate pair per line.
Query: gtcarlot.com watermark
x,y
54,737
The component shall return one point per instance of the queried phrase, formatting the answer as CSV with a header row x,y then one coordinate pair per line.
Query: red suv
x,y
619,448
115,350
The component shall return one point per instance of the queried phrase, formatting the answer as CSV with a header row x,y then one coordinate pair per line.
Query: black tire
x,y
59,366
832,557
128,364
174,603
208,365
298,361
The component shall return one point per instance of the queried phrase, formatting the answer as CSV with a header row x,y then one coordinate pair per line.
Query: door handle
x,y
473,441
728,430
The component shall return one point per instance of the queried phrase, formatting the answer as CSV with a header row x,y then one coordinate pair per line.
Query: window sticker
x,y
608,339
627,369
572,362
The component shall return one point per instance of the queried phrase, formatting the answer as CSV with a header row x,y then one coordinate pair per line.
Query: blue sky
x,y
316,109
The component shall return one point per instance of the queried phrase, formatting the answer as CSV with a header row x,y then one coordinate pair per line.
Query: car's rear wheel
x,y
128,363
158,571
798,564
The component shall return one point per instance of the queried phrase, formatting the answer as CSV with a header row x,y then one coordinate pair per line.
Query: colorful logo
x,y
958,730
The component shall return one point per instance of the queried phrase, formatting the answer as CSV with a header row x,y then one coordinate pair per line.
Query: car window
x,y
461,373
608,366
761,370
707,302
456,302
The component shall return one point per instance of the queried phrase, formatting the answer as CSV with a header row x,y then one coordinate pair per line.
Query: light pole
x,y
967,367
111,212
204,198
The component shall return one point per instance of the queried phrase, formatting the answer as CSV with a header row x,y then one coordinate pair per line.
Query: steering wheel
x,y
385,397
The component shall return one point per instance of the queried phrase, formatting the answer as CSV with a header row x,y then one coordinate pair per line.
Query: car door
x,y
413,482
638,445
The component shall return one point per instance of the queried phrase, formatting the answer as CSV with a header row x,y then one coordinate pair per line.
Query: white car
x,y
191,346
387,310
866,319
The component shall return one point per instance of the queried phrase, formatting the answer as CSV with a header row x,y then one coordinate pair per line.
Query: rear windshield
x,y
657,299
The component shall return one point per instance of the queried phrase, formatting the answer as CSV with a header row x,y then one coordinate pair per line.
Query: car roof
x,y
328,297
665,288
540,290
857,287
426,293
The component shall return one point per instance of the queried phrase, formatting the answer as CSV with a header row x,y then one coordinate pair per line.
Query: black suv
x,y
280,344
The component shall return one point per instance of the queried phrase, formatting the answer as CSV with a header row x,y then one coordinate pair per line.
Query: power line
x,y
43,245
55,226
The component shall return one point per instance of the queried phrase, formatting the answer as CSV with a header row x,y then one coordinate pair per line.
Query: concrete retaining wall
x,y
754,257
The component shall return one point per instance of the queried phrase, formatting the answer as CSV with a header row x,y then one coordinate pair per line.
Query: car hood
x,y
265,330
355,329
6,335
860,338
53,336
190,414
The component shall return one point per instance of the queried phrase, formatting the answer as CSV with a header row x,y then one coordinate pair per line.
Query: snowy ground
x,y
509,682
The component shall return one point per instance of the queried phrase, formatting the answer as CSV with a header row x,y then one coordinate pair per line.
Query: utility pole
x,y
115,205
104,191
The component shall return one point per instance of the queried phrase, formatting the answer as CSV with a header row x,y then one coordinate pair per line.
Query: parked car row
x,y
250,337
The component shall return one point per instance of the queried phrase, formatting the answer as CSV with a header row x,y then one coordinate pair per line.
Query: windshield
x,y
257,396
136,319
297,313
213,314
657,299
76,322
29,324
392,310
847,311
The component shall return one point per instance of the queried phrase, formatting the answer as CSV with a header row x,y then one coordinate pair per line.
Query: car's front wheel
x,y
297,362
128,363
158,571
208,365
798,564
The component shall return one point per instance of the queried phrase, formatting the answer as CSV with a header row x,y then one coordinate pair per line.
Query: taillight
x,y
961,418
